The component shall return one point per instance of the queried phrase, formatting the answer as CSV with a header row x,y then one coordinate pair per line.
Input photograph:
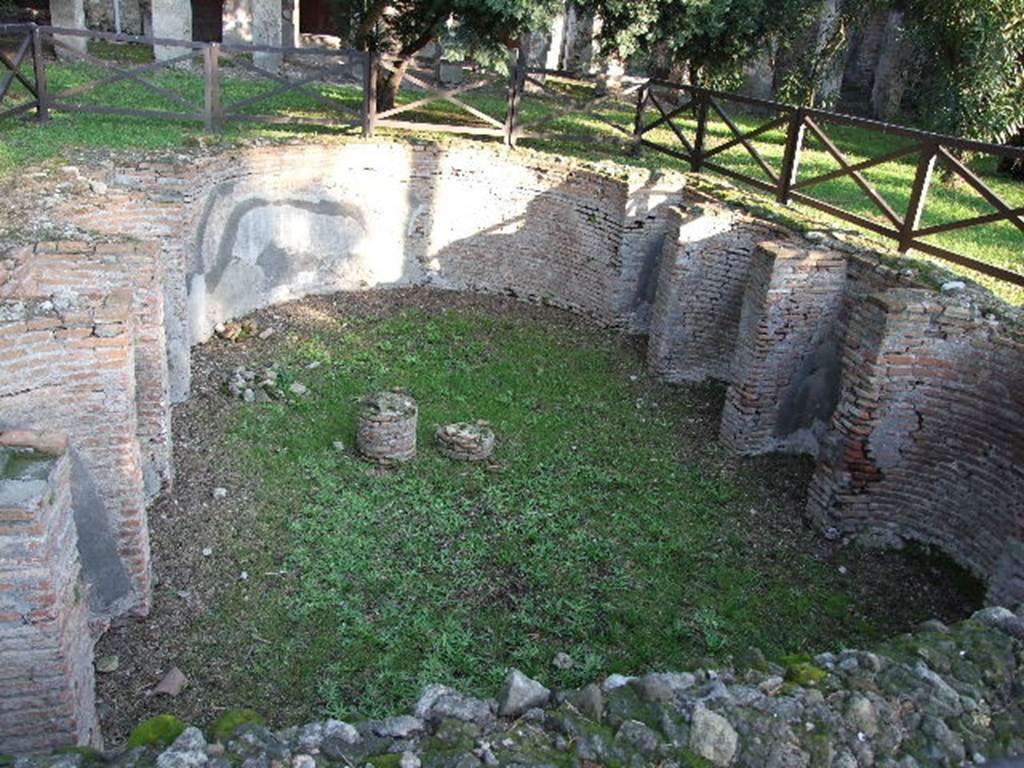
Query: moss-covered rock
x,y
156,732
392,760
802,672
452,739
90,755
224,727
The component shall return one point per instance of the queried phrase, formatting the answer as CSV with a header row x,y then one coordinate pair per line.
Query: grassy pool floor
x,y
608,526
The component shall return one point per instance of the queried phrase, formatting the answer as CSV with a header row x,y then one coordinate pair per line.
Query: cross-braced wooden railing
x,y
568,98
430,90
11,75
70,45
684,114
325,67
763,144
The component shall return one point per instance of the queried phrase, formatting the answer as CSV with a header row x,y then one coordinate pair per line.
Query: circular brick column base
x,y
387,427
466,442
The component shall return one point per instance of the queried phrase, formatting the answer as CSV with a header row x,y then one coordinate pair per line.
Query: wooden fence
x,y
641,113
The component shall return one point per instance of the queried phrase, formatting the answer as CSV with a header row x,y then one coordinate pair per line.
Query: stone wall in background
x,y
134,15
46,678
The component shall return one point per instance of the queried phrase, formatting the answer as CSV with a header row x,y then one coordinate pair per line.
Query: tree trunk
x,y
388,84
1014,167
695,74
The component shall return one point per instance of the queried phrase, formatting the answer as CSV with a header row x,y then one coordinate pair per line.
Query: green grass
x,y
22,144
597,531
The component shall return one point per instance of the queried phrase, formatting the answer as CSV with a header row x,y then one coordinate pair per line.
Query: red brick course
x,y
69,365
927,442
46,680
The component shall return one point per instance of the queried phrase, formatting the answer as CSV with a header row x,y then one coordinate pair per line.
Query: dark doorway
x,y
207,21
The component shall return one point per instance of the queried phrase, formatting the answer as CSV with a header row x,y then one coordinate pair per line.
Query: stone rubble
x,y
942,696
255,386
237,331
520,694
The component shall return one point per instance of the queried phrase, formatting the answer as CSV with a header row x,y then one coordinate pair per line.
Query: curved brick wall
x,y
787,326
911,403
246,228
927,442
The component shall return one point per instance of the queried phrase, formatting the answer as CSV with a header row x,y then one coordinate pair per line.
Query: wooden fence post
x,y
918,195
638,117
515,94
791,158
700,98
213,111
39,67
371,70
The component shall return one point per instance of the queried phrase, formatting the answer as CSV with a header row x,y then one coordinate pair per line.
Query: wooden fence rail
x,y
642,113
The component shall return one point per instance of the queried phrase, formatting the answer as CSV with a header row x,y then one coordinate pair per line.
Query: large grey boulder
x,y
712,737
519,694
440,701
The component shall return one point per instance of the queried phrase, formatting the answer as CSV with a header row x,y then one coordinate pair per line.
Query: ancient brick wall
x,y
48,269
67,363
911,404
927,441
704,273
785,372
652,210
246,228
545,234
46,679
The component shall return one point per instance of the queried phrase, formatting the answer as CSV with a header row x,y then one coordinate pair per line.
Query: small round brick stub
x,y
387,427
466,442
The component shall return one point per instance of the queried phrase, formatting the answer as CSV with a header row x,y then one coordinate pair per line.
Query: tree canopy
x,y
713,36
405,27
972,55
408,25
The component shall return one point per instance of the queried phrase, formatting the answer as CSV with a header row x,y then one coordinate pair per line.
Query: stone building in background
x,y
865,69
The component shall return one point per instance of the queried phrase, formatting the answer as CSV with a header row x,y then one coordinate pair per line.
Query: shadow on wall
x,y
263,239
111,590
272,250
542,254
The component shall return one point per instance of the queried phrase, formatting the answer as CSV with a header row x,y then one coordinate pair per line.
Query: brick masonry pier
x,y
46,677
